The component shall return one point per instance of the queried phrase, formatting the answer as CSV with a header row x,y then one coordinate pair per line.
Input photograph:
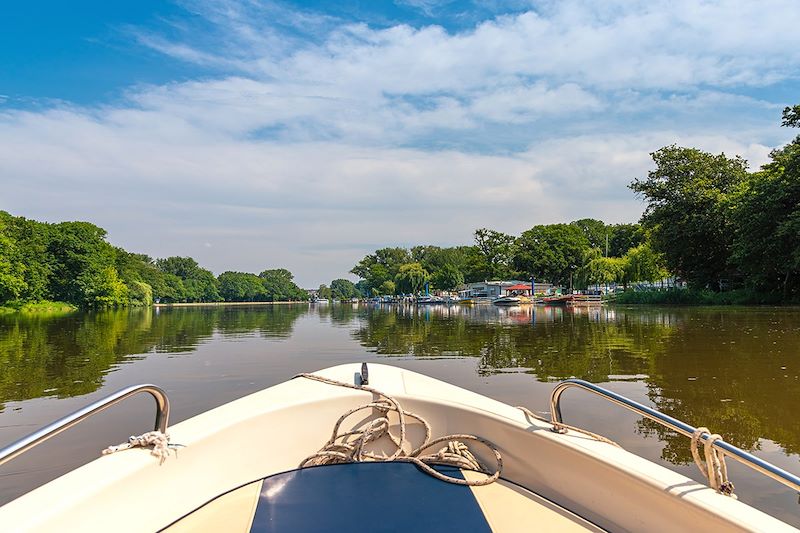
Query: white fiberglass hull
x,y
273,430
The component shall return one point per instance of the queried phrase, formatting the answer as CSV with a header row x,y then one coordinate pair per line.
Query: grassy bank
x,y
698,297
45,307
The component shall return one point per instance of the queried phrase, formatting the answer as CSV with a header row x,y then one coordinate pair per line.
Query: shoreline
x,y
219,304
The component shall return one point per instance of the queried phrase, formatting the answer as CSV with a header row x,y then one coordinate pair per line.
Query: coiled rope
x,y
159,441
713,466
350,446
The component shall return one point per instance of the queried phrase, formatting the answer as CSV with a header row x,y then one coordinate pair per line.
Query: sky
x,y
255,134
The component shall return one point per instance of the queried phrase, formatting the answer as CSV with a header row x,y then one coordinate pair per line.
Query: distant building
x,y
496,289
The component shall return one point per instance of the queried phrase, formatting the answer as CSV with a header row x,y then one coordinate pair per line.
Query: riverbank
x,y
217,304
698,297
45,308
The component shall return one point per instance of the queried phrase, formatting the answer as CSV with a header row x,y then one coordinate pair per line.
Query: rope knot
x,y
159,441
712,465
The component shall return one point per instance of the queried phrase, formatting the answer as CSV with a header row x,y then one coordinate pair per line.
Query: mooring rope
x,y
159,441
350,446
713,466
563,426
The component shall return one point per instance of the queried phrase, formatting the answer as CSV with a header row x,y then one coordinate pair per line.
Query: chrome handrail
x,y
34,439
747,459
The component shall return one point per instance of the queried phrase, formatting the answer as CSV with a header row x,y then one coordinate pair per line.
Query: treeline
x,y
708,221
719,226
73,262
577,254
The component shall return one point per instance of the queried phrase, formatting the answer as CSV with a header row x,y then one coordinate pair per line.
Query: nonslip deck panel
x,y
380,496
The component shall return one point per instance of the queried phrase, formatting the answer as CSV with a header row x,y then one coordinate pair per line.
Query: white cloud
x,y
309,152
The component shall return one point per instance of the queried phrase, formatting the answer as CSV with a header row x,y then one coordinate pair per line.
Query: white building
x,y
496,289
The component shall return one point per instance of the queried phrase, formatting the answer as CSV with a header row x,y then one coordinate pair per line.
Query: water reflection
x,y
735,370
67,356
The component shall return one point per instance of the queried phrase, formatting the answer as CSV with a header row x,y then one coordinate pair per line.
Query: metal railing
x,y
747,459
34,439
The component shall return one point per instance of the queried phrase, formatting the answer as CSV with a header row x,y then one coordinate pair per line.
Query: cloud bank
x,y
320,138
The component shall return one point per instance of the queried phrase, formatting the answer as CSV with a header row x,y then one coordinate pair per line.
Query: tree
x,y
551,253
497,250
447,278
411,277
791,117
687,213
279,286
240,287
596,232
343,289
199,284
623,238
768,224
381,266
12,270
642,263
324,292
387,288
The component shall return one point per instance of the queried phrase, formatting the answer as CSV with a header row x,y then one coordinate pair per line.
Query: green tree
x,y
325,292
768,224
497,251
623,238
279,286
240,287
687,211
447,278
12,270
551,253
381,266
343,289
387,288
642,263
411,277
199,284
596,232
791,117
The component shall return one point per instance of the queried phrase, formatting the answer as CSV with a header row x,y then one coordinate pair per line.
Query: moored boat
x,y
268,462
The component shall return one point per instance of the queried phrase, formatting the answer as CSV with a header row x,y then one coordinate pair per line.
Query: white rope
x,y
159,441
565,427
712,466
351,446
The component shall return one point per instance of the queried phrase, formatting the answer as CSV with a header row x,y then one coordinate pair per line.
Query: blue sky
x,y
252,134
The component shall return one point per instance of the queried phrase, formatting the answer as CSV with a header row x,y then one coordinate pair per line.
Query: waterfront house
x,y
497,289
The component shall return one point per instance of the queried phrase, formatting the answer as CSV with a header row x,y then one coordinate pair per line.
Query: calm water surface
x,y
734,370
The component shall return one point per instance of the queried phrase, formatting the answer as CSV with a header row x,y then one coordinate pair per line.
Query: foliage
x,y
240,287
411,277
791,117
497,251
447,278
695,297
687,212
595,231
324,292
623,237
279,286
768,224
343,289
551,253
597,269
642,263
387,288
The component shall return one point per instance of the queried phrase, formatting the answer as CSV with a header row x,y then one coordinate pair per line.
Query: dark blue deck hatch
x,y
380,496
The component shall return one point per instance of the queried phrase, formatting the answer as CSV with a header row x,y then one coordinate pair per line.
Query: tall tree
x,y
497,250
551,253
596,232
767,243
343,289
687,211
411,277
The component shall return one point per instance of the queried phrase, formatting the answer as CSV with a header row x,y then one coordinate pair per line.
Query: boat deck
x,y
392,496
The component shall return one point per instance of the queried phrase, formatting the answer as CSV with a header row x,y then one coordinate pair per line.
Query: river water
x,y
734,370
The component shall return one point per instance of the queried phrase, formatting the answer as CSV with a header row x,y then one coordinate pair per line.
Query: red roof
x,y
520,287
